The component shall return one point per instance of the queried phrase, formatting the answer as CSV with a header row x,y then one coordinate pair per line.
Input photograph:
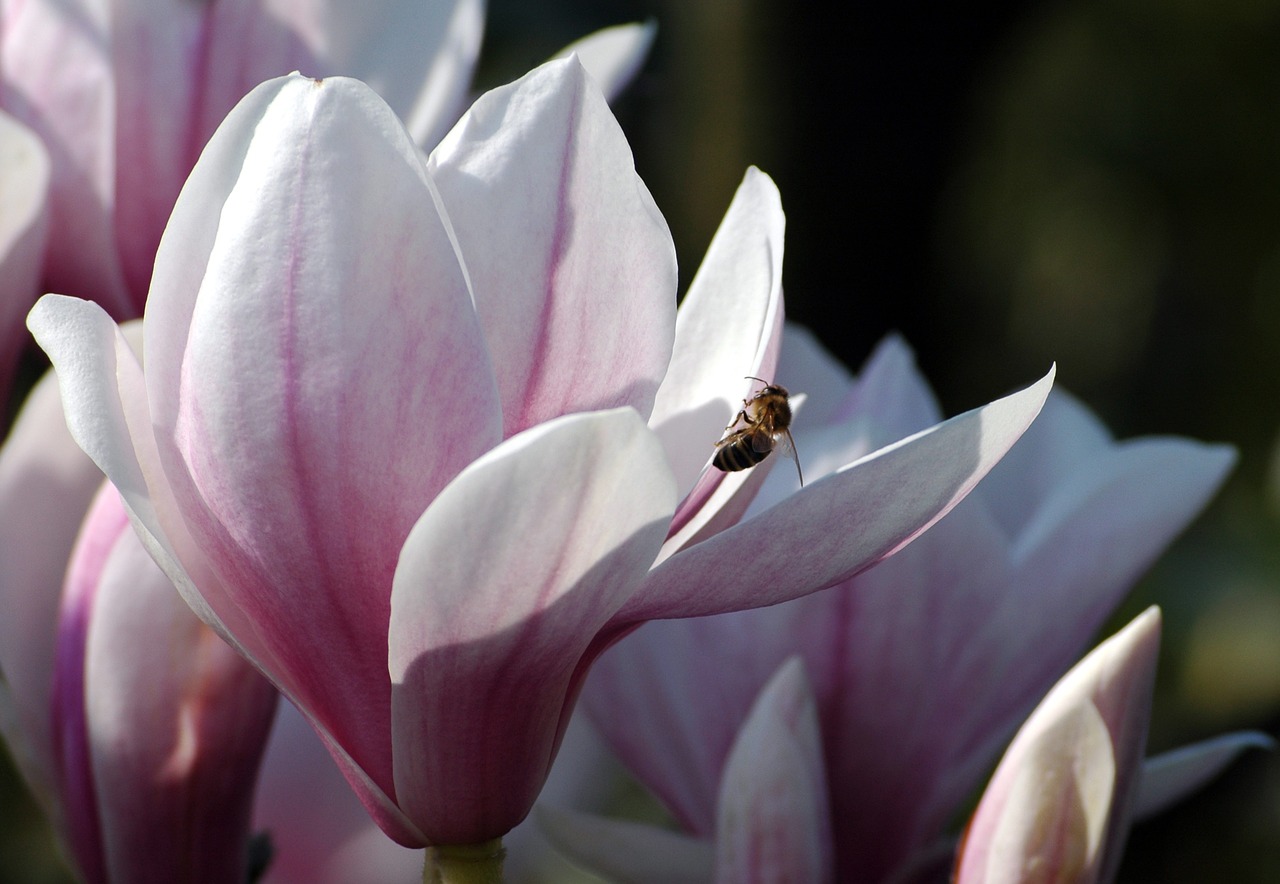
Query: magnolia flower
x,y
923,666
139,730
393,442
1058,808
317,829
24,184
126,94
1060,804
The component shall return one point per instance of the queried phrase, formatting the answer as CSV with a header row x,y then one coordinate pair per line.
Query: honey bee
x,y
761,426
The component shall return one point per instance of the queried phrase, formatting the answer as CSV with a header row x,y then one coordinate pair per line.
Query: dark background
x,y
1008,185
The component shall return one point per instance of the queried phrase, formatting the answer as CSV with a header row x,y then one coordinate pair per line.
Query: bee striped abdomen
x,y
738,454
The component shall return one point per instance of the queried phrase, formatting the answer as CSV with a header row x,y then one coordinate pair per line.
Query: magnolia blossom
x,y
1058,808
1060,804
422,439
923,666
126,93
24,184
153,663
139,730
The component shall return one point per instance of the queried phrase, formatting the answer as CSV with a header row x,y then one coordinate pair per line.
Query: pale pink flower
x,y
138,728
1064,796
125,94
393,435
1059,807
924,666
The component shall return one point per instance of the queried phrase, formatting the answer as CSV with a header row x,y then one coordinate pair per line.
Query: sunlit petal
x,y
501,586
1057,807
728,327
881,503
571,264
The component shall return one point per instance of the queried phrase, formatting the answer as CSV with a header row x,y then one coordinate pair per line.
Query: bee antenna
x,y
752,377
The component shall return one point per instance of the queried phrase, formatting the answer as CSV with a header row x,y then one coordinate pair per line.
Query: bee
x,y
762,424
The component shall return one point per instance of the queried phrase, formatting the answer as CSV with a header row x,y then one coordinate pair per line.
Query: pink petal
x,y
811,370
1057,807
104,401
157,60
669,715
613,56
912,732
1003,627
584,776
318,828
774,821
1091,539
906,722
891,393
1057,446
571,264
24,196
57,79
719,501
178,73
628,851
897,713
68,709
1171,776
879,504
728,327
417,56
46,484
177,721
502,585
308,326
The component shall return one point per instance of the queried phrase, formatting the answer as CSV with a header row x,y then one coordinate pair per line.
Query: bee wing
x,y
762,443
782,444
786,446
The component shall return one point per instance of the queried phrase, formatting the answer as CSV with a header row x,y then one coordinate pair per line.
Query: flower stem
x,y
464,863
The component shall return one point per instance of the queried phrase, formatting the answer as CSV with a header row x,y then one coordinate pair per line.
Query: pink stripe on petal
x,y
501,589
177,722
571,264
774,822
309,335
103,527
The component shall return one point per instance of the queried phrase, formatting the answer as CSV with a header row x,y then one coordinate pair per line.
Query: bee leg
x,y
740,416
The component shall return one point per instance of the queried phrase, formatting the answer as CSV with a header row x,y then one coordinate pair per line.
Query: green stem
x,y
464,864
